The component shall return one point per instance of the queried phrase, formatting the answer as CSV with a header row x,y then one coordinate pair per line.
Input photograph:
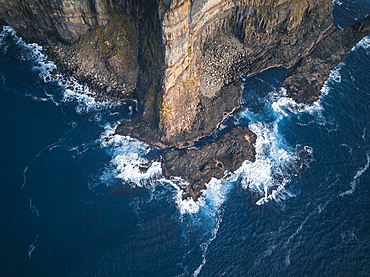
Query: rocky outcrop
x,y
198,166
208,44
305,82
179,58
97,41
182,59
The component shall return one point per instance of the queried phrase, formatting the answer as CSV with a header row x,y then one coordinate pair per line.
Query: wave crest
x,y
128,163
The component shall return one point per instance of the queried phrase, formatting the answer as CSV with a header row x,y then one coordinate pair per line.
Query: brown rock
x,y
182,60
211,160
305,82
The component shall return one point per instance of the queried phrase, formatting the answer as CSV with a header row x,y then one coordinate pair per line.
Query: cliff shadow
x,y
151,71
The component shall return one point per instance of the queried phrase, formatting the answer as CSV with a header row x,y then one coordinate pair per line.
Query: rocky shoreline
x,y
212,160
182,61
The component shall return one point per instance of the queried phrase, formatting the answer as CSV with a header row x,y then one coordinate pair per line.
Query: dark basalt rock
x,y
211,160
181,61
2,23
304,83
213,110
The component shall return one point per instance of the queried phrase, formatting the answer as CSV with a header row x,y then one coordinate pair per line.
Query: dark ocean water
x,y
74,201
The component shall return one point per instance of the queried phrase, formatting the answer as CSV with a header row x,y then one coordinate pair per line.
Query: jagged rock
x,y
182,59
212,160
305,82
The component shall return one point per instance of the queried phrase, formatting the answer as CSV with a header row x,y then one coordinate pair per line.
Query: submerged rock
x,y
198,166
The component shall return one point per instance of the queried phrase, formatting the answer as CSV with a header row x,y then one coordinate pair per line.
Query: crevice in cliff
x,y
151,67
150,75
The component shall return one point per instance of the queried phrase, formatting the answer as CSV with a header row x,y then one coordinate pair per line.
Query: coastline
x,y
186,84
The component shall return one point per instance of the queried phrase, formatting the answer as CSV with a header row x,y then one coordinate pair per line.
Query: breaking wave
x,y
364,43
129,162
358,174
337,2
73,92
277,162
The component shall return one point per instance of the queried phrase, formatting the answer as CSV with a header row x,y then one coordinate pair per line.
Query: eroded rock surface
x,y
208,44
182,60
99,42
198,166
305,82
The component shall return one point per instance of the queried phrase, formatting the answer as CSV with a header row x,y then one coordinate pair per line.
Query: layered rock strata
x,y
97,41
182,59
208,44
179,58
304,83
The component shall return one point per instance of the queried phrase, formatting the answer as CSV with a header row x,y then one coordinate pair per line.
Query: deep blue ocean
x,y
75,202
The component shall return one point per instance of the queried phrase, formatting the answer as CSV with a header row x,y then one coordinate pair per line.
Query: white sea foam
x,y
86,100
32,247
74,91
185,206
208,205
7,31
271,171
217,193
204,246
128,163
358,174
337,2
49,147
285,106
210,208
207,208
334,77
129,158
363,43
34,209
276,162
33,52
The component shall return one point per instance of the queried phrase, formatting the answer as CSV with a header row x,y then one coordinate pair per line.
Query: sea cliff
x,y
182,61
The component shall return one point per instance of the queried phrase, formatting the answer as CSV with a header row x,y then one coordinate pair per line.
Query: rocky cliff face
x,y
182,59
97,41
208,44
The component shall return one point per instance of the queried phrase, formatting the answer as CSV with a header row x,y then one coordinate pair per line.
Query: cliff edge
x,y
182,59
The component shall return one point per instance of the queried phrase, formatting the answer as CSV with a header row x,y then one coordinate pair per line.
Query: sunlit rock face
x,y
208,44
180,59
96,41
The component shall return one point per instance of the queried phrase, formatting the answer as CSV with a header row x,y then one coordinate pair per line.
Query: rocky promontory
x,y
198,166
182,61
